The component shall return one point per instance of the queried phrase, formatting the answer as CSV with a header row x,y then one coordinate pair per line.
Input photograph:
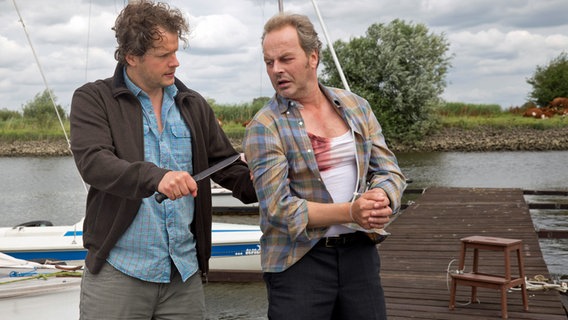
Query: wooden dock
x,y
424,246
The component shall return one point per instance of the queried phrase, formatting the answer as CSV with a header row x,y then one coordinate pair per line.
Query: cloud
x,y
496,45
218,34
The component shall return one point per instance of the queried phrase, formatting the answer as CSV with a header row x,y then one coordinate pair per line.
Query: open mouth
x,y
282,83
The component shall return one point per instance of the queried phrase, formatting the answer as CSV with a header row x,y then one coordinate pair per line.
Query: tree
x,y
41,109
400,69
550,81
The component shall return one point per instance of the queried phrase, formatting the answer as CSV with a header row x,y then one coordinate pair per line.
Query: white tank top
x,y
338,168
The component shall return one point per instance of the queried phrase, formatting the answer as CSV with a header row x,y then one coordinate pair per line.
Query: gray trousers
x,y
112,295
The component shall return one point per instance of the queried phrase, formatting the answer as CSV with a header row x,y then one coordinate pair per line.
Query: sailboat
x,y
235,246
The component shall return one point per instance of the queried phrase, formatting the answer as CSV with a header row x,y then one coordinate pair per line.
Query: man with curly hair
x,y
136,133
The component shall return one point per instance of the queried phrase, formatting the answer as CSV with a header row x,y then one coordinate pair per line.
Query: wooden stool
x,y
476,279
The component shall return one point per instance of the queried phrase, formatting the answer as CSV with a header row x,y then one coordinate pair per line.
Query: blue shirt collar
x,y
170,90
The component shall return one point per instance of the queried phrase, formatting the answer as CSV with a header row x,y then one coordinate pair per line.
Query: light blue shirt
x,y
160,233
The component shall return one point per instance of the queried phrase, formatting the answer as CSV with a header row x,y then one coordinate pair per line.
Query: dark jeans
x,y
339,282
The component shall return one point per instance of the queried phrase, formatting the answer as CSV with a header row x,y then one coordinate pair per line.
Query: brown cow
x,y
559,103
533,113
539,113
548,112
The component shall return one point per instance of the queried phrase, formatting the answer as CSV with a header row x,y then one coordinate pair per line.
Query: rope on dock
x,y
540,283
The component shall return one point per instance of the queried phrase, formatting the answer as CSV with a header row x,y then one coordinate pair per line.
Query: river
x,y
51,189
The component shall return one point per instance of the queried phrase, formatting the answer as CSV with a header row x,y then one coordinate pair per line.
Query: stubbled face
x,y
292,72
156,68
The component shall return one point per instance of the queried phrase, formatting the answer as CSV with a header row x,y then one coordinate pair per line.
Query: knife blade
x,y
204,174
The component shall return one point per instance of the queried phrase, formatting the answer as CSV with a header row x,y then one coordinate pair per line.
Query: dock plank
x,y
425,243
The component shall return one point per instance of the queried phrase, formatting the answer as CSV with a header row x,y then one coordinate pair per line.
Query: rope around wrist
x,y
356,196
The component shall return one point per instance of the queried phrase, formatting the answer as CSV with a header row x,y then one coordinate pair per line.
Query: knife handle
x,y
160,197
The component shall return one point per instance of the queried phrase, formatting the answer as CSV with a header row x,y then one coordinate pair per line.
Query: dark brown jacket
x,y
108,147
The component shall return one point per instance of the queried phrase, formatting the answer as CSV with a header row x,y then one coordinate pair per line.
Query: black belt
x,y
349,239
344,240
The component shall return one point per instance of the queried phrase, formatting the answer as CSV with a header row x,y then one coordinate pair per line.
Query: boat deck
x,y
425,244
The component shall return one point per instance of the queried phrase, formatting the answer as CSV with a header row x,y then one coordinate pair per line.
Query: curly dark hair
x,y
137,27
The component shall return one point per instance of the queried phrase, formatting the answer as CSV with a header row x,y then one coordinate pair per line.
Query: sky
x,y
496,45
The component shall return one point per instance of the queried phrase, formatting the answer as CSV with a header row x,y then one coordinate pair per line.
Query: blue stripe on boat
x,y
50,255
216,251
73,233
235,250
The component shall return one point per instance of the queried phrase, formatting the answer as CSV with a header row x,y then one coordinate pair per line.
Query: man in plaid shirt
x,y
326,184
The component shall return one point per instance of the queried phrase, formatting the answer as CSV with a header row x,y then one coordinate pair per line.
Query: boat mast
x,y
330,44
48,89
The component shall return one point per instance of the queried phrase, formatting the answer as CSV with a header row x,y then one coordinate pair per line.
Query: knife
x,y
204,174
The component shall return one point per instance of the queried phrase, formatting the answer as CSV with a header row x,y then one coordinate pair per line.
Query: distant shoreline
x,y
482,139
34,148
485,139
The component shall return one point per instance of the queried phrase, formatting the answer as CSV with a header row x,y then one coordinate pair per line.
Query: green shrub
x,y
6,114
240,113
41,109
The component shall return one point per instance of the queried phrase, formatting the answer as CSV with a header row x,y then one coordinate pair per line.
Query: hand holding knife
x,y
204,174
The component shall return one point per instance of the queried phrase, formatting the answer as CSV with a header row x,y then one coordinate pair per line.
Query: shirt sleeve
x,y
284,213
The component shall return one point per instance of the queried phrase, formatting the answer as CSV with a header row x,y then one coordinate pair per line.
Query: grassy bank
x,y
20,129
235,130
502,121
450,138
44,125
459,127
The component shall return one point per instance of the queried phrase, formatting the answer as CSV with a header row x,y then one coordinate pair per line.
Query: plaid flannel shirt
x,y
286,176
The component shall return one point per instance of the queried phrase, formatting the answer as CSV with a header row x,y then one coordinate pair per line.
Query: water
x,y
524,170
50,189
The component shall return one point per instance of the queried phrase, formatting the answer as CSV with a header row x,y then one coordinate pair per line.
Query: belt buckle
x,y
332,242
328,244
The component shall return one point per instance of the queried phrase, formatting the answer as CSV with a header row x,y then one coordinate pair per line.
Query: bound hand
x,y
371,210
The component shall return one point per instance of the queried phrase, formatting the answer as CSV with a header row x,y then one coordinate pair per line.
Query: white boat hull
x,y
235,246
